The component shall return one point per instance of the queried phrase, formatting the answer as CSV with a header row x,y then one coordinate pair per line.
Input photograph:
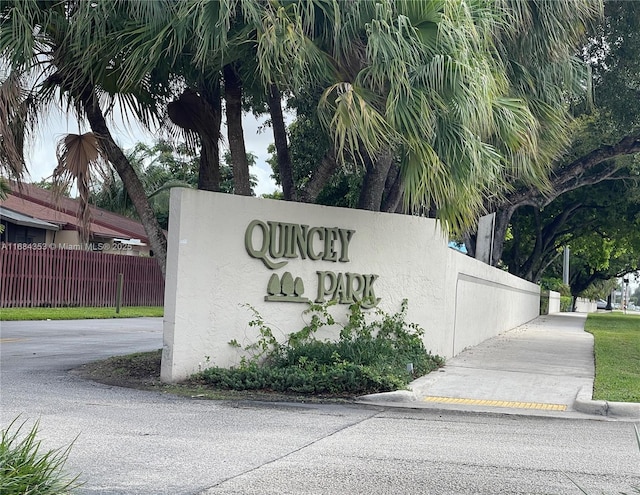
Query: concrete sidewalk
x,y
544,367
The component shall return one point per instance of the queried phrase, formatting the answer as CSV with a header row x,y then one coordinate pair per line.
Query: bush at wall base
x,y
369,356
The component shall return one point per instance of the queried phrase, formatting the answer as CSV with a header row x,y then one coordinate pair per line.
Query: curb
x,y
396,396
584,403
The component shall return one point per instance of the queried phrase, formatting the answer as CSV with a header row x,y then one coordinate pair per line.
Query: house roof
x,y
41,204
28,221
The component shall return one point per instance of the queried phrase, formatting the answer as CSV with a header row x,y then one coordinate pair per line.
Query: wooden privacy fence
x,y
61,277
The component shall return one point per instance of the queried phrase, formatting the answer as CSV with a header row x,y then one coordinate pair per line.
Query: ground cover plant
x,y
15,314
26,469
617,356
369,356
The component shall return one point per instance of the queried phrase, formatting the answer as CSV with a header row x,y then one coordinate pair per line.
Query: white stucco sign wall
x,y
227,252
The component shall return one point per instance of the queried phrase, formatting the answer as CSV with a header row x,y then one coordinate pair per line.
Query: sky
x,y
41,151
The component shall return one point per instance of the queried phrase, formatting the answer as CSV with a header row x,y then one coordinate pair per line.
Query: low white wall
x,y
554,302
218,263
586,305
487,301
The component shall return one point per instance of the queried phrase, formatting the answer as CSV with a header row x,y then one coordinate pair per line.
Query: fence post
x,y
119,292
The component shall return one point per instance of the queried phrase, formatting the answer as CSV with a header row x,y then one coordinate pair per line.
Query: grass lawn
x,y
15,314
617,356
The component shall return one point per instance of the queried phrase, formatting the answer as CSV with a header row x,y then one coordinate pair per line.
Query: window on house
x,y
24,235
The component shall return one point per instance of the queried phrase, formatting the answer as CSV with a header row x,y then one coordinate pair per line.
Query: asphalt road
x,y
134,442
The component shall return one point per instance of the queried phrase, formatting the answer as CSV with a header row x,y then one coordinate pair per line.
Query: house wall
x,y
66,239
217,265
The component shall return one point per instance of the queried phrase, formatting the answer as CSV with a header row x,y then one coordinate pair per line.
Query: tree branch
x,y
579,173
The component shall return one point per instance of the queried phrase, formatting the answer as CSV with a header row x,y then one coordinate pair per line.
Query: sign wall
x,y
228,254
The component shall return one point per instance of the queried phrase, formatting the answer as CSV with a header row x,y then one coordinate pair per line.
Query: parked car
x,y
601,304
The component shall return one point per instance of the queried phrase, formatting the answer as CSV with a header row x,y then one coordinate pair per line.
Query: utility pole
x,y
565,266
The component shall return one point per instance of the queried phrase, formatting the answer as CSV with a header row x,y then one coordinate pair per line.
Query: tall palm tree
x,y
15,115
160,167
44,42
414,79
537,47
445,86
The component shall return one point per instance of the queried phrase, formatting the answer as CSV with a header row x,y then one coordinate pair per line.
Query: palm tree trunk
x,y
319,179
280,139
209,170
129,177
503,218
233,99
393,190
374,181
201,112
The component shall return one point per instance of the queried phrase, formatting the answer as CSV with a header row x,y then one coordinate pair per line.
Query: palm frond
x,y
13,117
286,55
80,158
355,122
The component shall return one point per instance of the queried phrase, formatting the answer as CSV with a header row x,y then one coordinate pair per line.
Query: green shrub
x,y
24,469
566,304
366,358
555,284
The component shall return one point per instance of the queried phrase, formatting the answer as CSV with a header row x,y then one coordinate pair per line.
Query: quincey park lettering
x,y
275,243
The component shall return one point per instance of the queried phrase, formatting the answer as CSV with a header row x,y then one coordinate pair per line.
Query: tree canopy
x,y
444,107
593,185
600,224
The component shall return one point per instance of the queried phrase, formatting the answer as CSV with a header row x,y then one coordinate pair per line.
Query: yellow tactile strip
x,y
8,340
496,403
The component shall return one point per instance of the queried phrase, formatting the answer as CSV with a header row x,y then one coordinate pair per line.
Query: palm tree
x,y
435,99
15,113
435,82
160,168
199,47
44,44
